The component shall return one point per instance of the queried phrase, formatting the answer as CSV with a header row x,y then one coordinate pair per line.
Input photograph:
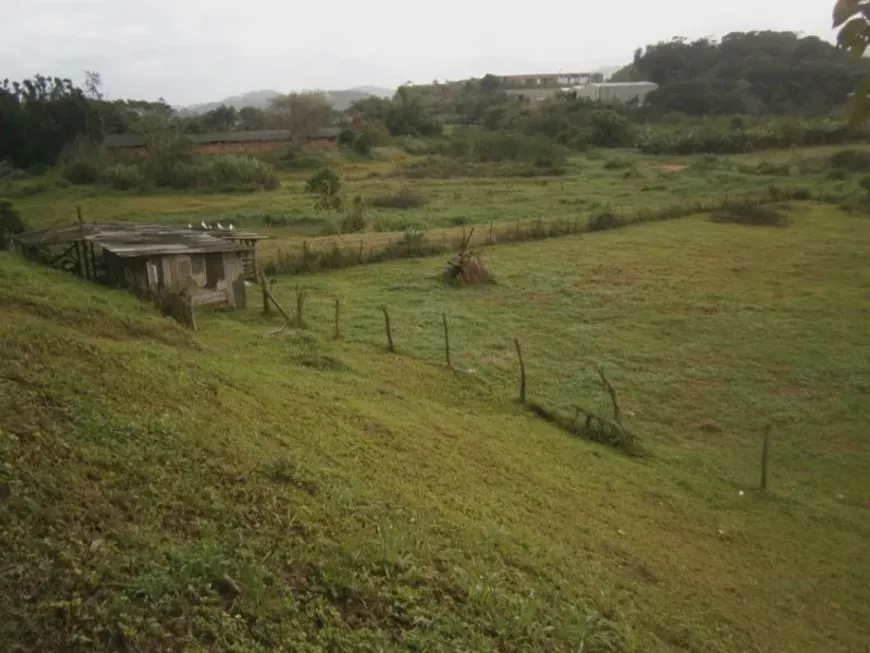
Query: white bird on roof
x,y
219,225
202,224
231,227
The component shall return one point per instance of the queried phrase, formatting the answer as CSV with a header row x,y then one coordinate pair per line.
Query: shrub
x,y
123,177
851,160
604,221
363,143
326,185
81,172
239,171
610,129
296,159
225,173
16,174
405,198
749,214
616,163
507,146
354,221
346,137
10,223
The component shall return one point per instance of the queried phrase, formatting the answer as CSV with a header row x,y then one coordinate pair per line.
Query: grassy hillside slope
x,y
239,489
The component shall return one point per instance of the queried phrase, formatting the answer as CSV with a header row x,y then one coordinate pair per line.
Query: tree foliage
x,y
302,114
852,20
41,116
748,73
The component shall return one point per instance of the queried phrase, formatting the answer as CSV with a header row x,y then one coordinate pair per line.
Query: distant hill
x,y
340,99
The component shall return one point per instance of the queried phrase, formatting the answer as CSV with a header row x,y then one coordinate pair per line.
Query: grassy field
x,y
622,181
247,489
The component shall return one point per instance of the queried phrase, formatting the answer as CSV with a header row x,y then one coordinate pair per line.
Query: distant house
x,y
208,266
268,139
549,79
615,92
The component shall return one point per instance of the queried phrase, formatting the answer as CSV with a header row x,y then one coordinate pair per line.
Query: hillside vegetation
x,y
242,489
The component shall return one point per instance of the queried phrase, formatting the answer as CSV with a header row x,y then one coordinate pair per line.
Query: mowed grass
x,y
251,489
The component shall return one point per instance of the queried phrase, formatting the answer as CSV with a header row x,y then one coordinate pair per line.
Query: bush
x,y
604,221
507,146
225,173
851,160
326,185
405,198
363,143
610,129
239,171
10,223
354,221
81,172
123,177
617,164
346,137
296,159
749,214
16,174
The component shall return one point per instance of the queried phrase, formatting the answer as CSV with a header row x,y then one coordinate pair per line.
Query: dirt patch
x,y
673,167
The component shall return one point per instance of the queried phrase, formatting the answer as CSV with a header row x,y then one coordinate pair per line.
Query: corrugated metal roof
x,y
132,240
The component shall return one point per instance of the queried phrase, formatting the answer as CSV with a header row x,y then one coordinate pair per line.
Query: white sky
x,y
192,51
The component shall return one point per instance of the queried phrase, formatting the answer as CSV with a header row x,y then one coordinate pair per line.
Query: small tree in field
x,y
326,186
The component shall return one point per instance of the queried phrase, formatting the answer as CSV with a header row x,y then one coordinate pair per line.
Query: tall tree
x,y
852,17
303,114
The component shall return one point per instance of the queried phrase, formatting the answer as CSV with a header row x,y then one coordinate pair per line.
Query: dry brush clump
x,y
594,427
404,198
467,267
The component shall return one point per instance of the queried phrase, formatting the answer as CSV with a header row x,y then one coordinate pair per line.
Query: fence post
x,y
522,371
300,308
266,306
190,313
765,451
390,346
446,340
337,334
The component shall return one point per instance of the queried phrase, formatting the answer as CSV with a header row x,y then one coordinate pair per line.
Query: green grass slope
x,y
239,489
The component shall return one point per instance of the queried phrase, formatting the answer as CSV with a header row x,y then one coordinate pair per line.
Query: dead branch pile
x,y
467,266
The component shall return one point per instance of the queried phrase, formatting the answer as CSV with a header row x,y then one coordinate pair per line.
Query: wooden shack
x,y
150,260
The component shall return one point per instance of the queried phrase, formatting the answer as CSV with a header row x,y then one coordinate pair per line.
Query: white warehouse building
x,y
615,92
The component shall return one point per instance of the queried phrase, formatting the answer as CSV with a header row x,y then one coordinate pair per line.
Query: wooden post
x,y
446,340
614,398
191,313
300,308
79,215
80,260
390,346
765,451
266,307
93,261
522,371
337,334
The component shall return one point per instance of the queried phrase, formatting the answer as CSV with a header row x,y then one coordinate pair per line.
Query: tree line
x,y
752,74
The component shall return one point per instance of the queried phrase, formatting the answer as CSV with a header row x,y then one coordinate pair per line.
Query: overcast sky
x,y
192,51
